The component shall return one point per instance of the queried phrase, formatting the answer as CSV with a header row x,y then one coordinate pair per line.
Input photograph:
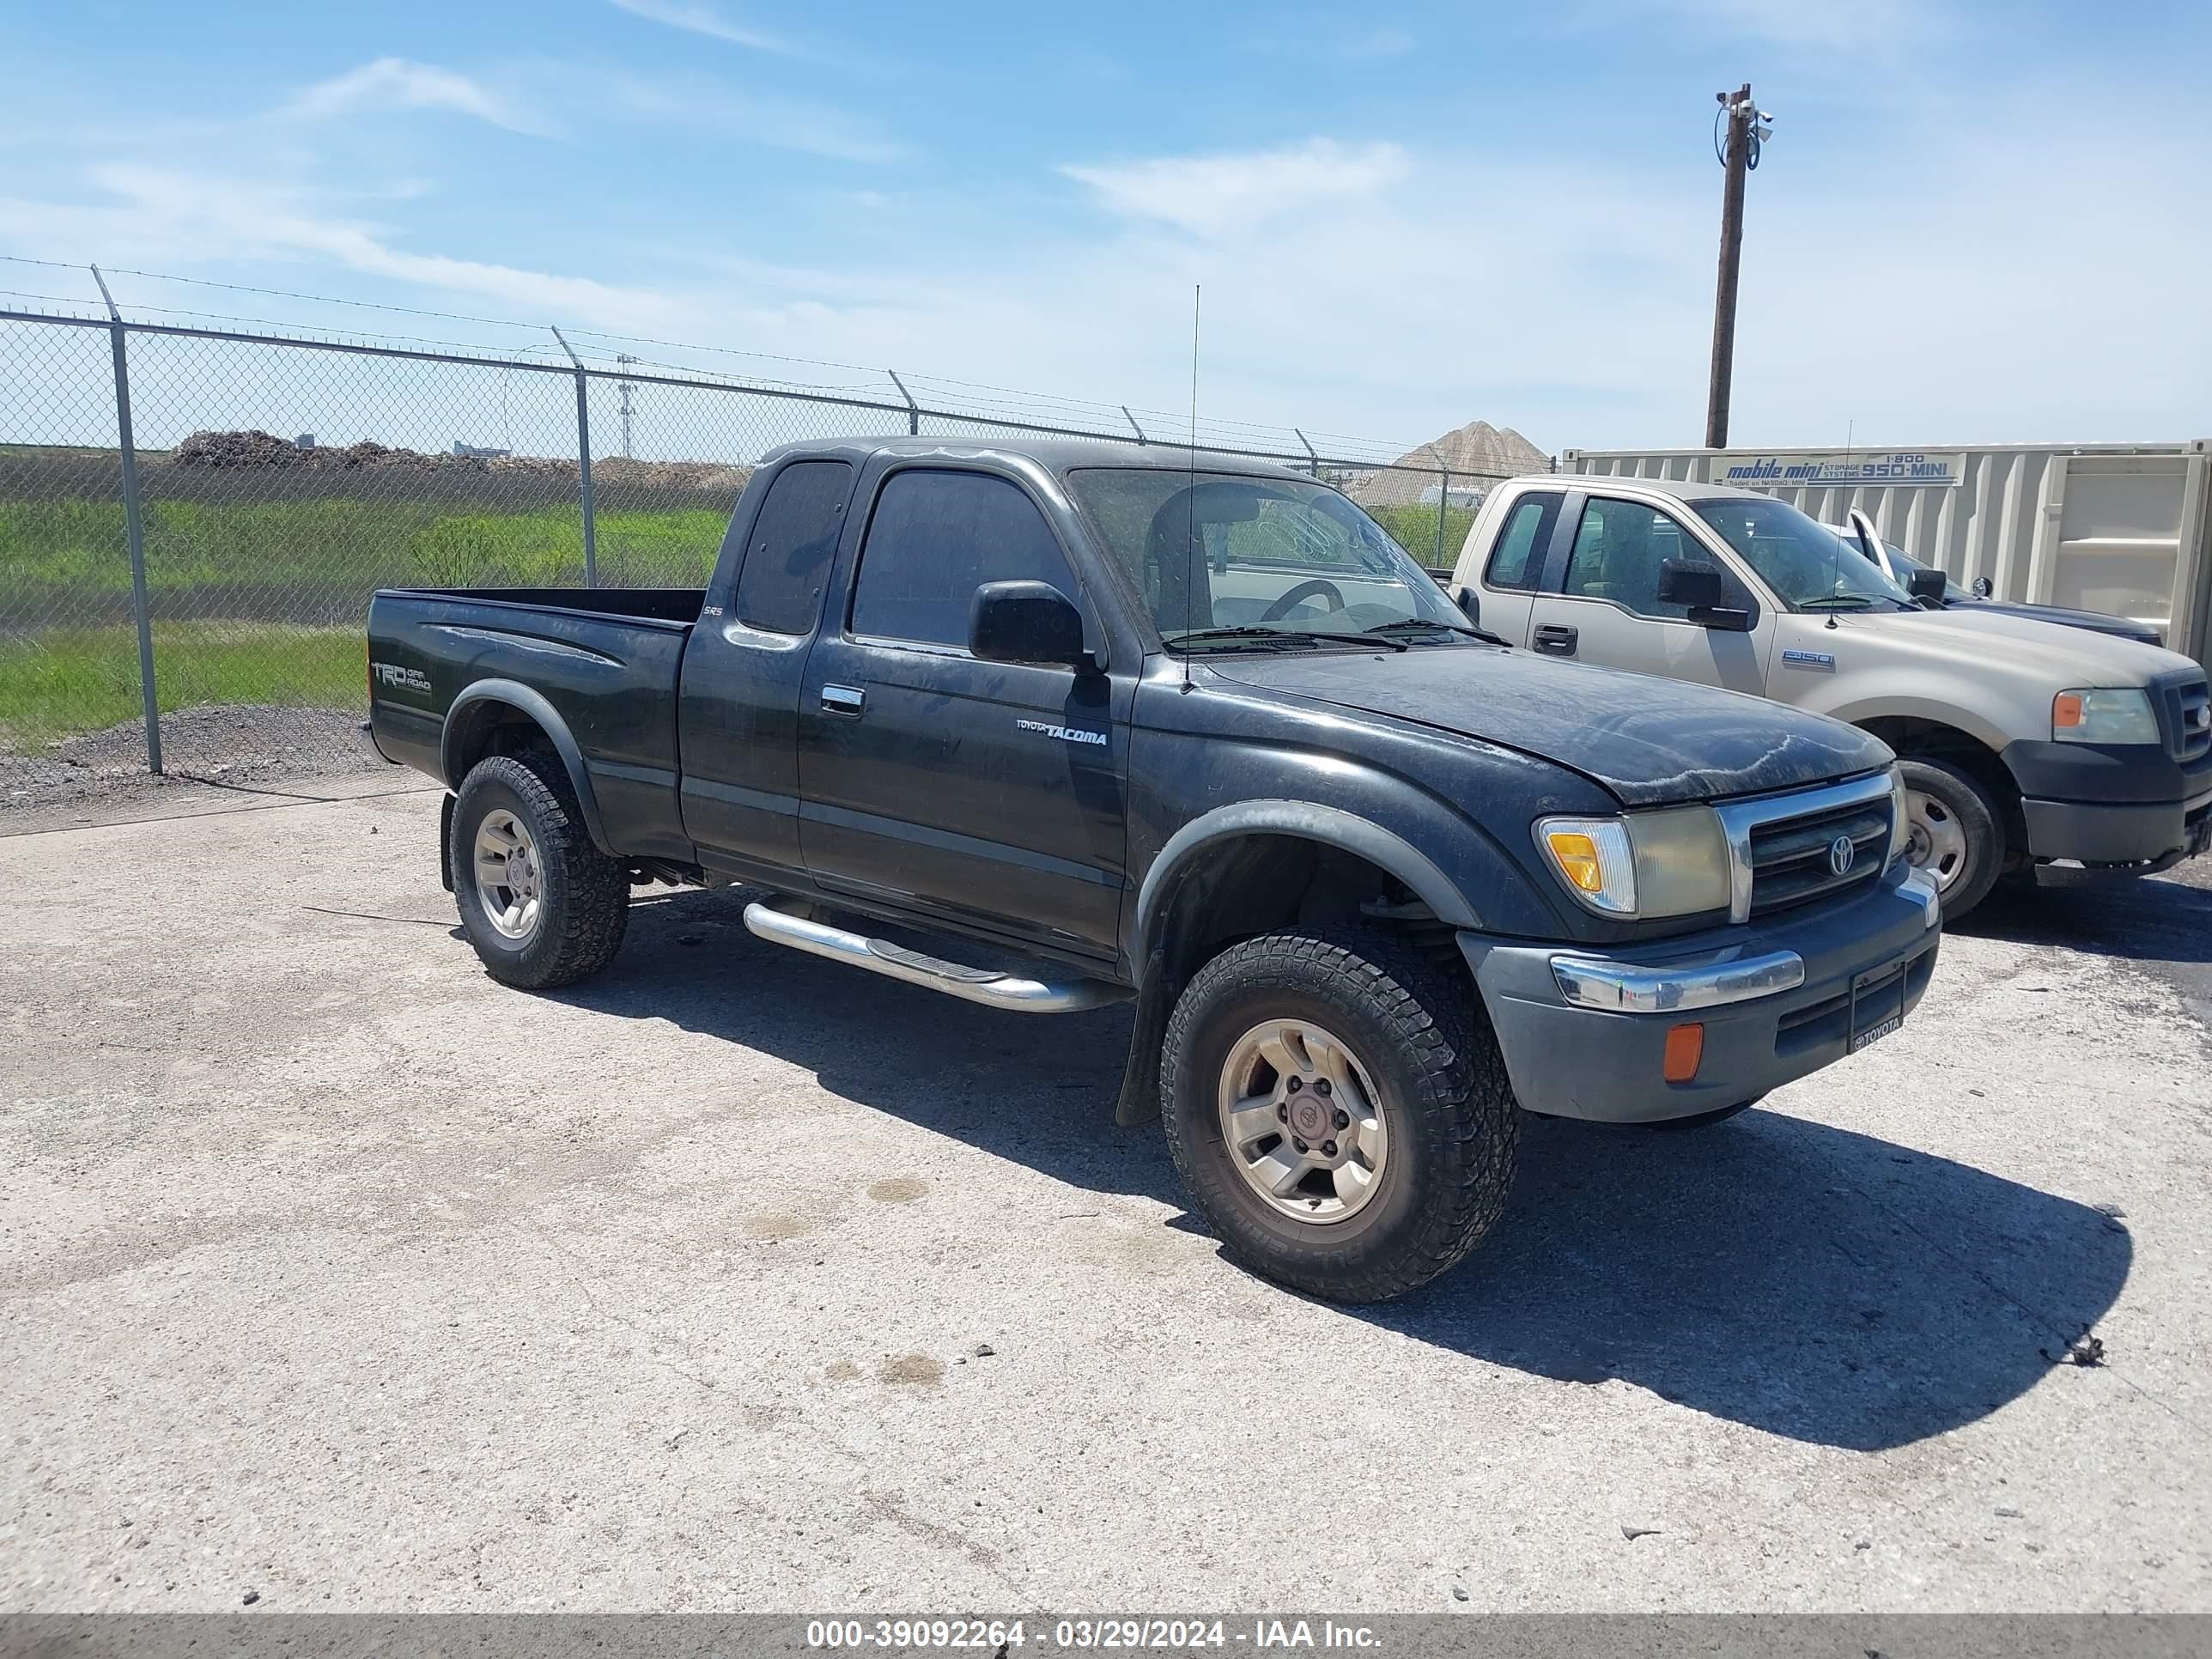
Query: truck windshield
x,y
1808,566
1228,562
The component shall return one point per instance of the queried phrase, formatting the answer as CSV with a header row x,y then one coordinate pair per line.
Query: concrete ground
x,y
336,1276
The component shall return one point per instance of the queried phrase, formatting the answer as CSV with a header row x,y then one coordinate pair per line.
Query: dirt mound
x,y
264,449
1476,451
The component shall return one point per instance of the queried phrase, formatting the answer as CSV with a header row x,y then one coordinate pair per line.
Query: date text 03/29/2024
x,y
1085,1635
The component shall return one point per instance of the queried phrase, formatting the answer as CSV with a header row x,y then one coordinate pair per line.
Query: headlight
x,y
1671,863
2103,716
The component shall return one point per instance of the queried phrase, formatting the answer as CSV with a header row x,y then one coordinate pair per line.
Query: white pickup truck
x,y
2023,742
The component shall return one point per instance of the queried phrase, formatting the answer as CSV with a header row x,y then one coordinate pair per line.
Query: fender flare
x,y
1303,820
1961,717
548,720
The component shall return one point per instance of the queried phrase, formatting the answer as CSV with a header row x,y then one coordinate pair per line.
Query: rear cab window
x,y
939,534
793,540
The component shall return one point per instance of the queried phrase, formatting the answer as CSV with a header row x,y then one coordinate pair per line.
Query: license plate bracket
x,y
1877,1005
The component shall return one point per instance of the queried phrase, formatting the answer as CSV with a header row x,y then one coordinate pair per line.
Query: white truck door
x,y
1607,609
1507,579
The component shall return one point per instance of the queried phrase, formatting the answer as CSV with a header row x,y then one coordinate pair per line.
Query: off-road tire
x,y
584,906
1958,794
1423,1040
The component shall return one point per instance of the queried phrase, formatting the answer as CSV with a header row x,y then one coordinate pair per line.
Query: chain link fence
x,y
227,536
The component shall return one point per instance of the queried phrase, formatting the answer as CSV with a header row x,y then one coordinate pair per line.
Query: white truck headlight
x,y
2094,715
1668,863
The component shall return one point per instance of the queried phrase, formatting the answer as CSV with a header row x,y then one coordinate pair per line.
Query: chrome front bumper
x,y
1708,981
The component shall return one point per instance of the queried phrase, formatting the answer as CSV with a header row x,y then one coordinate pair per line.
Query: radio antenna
x,y
1836,565
1190,498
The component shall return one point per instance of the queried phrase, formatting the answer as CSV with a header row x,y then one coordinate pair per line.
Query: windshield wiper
x,y
1846,601
1416,624
1302,635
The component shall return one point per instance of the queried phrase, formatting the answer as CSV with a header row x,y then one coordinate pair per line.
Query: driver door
x,y
1601,603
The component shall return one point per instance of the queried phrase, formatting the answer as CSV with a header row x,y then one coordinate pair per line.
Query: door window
x,y
1620,547
780,589
1518,560
937,537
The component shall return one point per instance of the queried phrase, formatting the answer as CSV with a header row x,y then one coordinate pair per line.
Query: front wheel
x,y
1339,1109
1956,835
542,905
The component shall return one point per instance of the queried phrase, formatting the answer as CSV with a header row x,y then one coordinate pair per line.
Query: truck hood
x,y
2050,654
1651,742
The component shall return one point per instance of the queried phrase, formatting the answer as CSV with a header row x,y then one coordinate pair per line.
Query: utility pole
x,y
1742,129
629,453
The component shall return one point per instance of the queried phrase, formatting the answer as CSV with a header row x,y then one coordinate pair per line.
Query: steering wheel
x,y
1315,589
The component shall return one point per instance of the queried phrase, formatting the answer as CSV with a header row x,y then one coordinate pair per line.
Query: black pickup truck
x,y
1162,726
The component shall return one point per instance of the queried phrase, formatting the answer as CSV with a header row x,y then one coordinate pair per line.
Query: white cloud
x,y
396,83
779,123
1220,195
168,218
704,20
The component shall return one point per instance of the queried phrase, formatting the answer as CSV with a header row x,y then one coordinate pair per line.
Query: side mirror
x,y
1926,584
1026,622
1697,586
1468,601
1703,591
1984,587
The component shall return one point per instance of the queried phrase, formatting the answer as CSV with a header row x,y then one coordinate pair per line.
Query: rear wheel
x,y
1339,1109
542,905
1956,834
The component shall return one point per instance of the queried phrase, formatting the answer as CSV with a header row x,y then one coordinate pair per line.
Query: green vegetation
x,y
336,546
70,680
1414,529
263,601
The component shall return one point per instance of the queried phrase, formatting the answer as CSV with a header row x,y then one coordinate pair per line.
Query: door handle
x,y
847,700
1554,641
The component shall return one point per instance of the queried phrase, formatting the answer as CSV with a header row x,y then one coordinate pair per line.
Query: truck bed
x,y
677,604
606,661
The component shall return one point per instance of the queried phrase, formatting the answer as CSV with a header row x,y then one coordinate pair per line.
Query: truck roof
x,y
1682,489
1056,455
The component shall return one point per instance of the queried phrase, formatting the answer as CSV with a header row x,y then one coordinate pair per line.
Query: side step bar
x,y
1022,996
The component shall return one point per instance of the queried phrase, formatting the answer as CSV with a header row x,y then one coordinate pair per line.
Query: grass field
x,y
70,680
262,602
339,544
1414,529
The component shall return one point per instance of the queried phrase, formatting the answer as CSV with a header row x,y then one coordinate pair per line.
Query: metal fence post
x,y
1308,442
1134,427
584,464
134,532
913,409
1443,505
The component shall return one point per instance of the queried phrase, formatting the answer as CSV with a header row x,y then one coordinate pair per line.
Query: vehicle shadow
x,y
2142,920
1818,1284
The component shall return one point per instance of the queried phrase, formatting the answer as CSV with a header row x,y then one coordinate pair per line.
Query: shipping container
x,y
2122,528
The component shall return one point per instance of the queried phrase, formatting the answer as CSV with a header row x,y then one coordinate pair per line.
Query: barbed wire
x,y
984,400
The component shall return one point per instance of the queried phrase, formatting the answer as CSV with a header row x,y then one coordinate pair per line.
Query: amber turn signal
x,y
1686,1052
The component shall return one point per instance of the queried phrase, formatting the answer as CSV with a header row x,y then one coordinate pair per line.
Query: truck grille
x,y
2188,718
1788,850
1793,861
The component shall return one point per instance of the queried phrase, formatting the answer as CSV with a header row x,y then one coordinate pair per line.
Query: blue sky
x,y
1975,222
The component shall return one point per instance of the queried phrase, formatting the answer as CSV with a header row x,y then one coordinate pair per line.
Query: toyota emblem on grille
x,y
1842,854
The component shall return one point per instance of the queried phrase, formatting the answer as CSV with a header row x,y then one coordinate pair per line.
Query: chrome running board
x,y
1021,996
